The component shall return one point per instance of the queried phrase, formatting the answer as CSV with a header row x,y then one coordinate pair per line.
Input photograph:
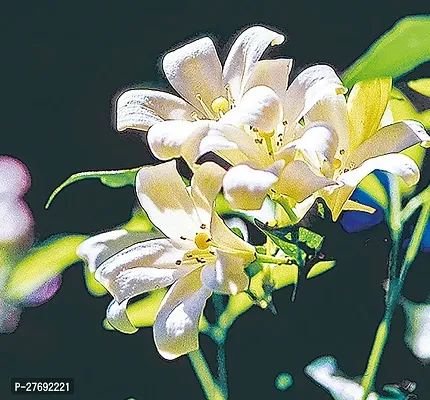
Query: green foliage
x,y
114,179
41,264
401,49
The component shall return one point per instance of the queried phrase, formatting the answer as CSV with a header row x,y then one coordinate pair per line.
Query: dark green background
x,y
63,62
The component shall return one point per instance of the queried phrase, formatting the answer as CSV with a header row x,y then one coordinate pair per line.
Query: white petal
x,y
219,136
299,182
273,74
14,177
166,138
237,223
228,276
397,164
260,107
142,108
244,55
245,188
332,110
144,266
391,139
318,147
99,248
310,86
205,185
176,326
195,69
116,314
417,335
164,197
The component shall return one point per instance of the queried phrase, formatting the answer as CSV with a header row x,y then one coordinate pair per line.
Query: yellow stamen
x,y
195,116
220,105
341,90
202,240
336,163
204,106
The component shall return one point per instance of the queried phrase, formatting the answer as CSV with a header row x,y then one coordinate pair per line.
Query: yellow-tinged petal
x,y
194,69
352,205
141,108
299,182
228,275
396,164
390,139
244,55
164,197
366,106
176,326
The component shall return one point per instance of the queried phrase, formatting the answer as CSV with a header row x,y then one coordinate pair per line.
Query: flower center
x,y
202,240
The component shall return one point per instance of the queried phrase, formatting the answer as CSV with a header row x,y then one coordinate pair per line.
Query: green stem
x,y
284,203
393,296
220,342
204,375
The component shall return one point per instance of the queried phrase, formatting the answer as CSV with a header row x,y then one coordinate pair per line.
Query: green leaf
x,y
401,49
42,264
114,179
421,86
320,267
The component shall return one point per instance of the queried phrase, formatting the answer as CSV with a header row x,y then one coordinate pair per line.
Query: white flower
x,y
198,255
417,334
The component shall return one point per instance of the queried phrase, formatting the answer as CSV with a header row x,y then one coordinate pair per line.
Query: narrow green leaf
x,y
42,264
421,86
401,49
114,179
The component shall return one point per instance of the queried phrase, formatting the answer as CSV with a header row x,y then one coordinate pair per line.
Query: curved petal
x,y
273,74
366,104
244,55
318,147
299,182
332,110
397,164
14,177
164,197
195,69
227,240
228,276
176,327
116,314
238,223
142,108
165,139
99,248
245,188
145,266
260,107
310,86
220,136
205,185
391,139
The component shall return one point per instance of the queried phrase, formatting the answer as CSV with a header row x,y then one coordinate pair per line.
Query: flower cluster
x,y
285,141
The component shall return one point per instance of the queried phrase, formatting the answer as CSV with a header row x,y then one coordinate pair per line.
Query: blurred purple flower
x,y
44,293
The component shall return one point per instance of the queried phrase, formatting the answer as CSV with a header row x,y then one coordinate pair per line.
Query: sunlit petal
x,y
194,69
145,266
244,55
166,200
99,248
142,108
176,326
116,314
